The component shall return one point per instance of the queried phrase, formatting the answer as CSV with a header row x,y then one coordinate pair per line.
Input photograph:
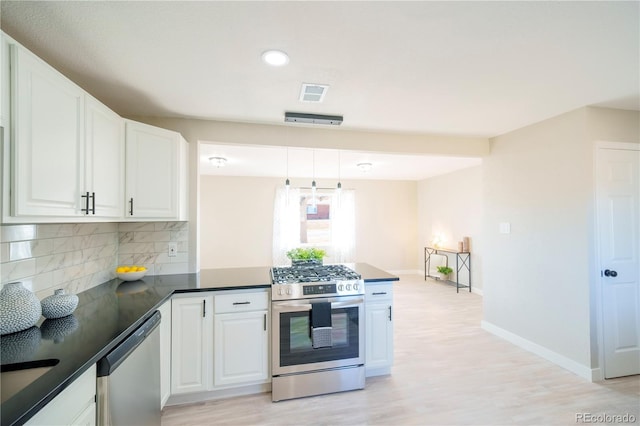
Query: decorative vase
x,y
19,308
59,304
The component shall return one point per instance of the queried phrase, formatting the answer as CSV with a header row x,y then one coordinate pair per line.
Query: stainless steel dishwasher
x,y
128,384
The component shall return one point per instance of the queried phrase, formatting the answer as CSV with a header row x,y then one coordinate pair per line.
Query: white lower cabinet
x,y
75,405
219,341
241,342
379,328
191,343
165,353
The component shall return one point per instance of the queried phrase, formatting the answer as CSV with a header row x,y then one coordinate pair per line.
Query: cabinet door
x,y
379,336
73,405
241,348
165,353
153,172
4,81
47,138
379,328
104,159
191,344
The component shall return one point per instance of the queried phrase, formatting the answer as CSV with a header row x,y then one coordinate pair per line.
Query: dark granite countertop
x,y
106,314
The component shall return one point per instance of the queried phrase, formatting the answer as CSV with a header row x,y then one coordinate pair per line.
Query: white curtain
x,y
343,224
286,224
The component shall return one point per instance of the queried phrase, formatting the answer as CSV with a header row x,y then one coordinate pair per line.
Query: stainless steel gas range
x,y
317,330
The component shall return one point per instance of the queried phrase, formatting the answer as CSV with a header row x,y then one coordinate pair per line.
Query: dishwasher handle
x,y
107,364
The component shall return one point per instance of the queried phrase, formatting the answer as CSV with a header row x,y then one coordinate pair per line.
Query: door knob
x,y
609,273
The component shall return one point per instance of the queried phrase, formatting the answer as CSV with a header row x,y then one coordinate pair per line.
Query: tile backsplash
x,y
79,256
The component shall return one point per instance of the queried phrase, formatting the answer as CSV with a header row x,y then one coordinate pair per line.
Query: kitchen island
x,y
105,315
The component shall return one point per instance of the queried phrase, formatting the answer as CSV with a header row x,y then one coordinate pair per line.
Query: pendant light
x,y
339,186
313,183
287,184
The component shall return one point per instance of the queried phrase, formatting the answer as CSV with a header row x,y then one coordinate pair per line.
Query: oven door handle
x,y
297,305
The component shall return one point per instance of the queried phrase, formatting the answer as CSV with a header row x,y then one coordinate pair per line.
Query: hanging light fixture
x,y
339,186
287,184
313,183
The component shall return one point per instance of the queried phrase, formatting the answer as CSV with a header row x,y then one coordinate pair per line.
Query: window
x,y
315,220
329,225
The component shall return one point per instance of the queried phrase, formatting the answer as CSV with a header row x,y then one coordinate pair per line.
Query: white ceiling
x,y
456,68
243,160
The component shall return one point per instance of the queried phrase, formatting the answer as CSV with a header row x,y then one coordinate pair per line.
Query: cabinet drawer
x,y
241,302
378,291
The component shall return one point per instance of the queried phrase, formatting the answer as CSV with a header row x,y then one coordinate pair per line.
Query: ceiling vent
x,y
298,117
313,92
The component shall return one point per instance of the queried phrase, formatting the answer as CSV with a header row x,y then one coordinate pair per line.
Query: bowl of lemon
x,y
130,273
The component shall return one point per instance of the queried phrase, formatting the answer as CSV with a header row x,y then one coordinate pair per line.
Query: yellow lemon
x,y
120,269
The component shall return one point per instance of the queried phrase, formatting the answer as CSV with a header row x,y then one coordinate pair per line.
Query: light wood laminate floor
x,y
447,371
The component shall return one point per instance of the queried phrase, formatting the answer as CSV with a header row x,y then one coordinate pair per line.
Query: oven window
x,y
295,337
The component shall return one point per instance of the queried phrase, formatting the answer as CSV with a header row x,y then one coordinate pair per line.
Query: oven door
x,y
292,347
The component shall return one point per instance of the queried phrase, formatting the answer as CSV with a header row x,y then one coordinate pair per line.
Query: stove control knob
x,y
341,287
280,292
348,287
289,291
355,286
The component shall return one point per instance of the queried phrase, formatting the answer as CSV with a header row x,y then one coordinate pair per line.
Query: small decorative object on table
x,y
59,304
304,256
131,273
444,272
19,308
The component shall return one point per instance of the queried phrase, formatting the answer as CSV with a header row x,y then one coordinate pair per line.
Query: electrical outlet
x,y
173,249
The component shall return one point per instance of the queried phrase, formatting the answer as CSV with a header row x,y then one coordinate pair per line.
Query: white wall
x,y
236,221
451,206
538,279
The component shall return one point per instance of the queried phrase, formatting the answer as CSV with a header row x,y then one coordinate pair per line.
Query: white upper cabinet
x,y
104,160
4,82
67,149
48,138
156,173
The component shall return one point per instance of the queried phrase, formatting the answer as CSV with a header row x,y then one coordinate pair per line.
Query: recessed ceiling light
x,y
275,58
365,167
218,161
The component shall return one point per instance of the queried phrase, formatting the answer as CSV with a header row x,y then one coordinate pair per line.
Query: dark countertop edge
x,y
379,280
200,290
369,273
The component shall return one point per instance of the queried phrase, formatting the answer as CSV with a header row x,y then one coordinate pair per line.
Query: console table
x,y
463,261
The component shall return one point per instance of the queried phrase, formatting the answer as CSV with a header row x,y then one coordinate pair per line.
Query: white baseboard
x,y
597,375
477,291
560,360
407,272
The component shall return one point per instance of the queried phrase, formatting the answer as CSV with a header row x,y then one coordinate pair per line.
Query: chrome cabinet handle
x,y
93,202
131,207
389,312
378,293
204,308
241,303
264,324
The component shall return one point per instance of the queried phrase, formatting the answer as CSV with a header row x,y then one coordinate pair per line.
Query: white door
x,y
618,204
152,173
48,138
191,344
104,160
241,348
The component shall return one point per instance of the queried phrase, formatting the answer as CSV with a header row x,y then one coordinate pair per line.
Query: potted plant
x,y
444,272
303,255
